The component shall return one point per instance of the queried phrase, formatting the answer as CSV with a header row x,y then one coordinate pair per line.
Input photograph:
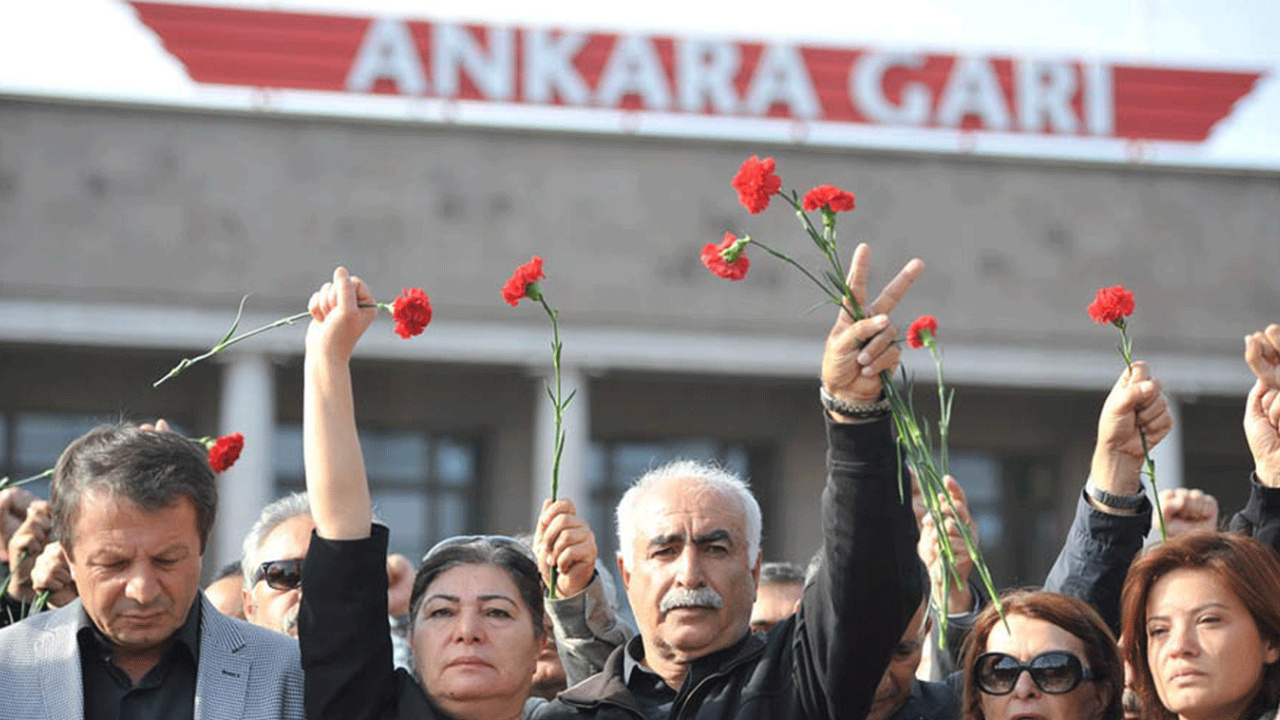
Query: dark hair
x,y
781,573
509,556
1247,567
151,469
1071,614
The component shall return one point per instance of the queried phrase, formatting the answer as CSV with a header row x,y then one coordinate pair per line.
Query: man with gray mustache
x,y
691,598
689,556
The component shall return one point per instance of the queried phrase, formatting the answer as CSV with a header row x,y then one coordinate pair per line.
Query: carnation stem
x,y
6,483
38,606
559,404
825,242
1126,350
920,457
913,443
788,259
228,341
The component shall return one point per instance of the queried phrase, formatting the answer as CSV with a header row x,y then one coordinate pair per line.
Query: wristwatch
x,y
1116,502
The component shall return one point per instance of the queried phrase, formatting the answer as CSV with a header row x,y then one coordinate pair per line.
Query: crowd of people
x,y
316,620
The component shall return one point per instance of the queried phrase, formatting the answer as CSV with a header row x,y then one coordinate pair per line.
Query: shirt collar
x,y
633,657
187,635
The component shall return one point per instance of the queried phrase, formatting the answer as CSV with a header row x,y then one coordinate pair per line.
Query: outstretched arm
x,y
1261,516
870,582
342,621
336,481
1113,515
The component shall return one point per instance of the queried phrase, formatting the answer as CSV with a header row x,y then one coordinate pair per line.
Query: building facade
x,y
129,233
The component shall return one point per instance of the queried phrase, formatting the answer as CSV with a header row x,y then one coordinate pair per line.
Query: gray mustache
x,y
703,597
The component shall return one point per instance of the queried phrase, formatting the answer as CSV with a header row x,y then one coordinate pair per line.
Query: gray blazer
x,y
244,671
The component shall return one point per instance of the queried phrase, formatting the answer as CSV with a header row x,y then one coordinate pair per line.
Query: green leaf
x,y
235,324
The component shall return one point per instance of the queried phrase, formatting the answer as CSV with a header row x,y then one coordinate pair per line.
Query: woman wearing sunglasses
x,y
476,609
1201,627
1055,659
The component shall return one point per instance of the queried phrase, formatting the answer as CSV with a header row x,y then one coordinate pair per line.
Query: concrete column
x,y
248,406
577,428
1168,454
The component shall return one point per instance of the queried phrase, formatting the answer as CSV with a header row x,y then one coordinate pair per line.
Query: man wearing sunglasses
x,y
274,550
133,509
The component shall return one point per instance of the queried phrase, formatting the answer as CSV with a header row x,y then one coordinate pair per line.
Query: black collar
x,y
187,635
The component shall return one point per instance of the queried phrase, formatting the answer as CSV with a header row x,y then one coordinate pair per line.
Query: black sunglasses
x,y
279,574
1055,672
497,540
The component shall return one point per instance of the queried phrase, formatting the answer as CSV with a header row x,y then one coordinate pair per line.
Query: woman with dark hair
x,y
1054,658
476,610
1201,628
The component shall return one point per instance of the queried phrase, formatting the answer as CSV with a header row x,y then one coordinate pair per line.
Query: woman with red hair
x,y
1053,658
1201,628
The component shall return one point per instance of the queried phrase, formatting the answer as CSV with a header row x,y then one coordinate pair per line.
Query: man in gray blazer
x,y
133,510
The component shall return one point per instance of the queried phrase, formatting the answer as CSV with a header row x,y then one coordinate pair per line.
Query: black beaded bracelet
x,y
860,411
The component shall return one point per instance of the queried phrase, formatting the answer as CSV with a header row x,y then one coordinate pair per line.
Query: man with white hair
x,y
689,538
274,551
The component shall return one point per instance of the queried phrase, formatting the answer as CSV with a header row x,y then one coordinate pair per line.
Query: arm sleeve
x,y
587,630
1096,557
870,581
343,629
1260,517
959,625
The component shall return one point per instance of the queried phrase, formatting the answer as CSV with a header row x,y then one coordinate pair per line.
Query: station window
x,y
424,486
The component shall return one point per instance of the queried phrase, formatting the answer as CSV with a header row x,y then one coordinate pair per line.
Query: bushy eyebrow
x,y
456,599
719,535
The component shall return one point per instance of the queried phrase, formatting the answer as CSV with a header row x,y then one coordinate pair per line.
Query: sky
x,y
93,47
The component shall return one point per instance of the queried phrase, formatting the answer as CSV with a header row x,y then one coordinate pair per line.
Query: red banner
x,y
282,50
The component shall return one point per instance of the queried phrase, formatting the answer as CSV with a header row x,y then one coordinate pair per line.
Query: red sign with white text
x,y
590,70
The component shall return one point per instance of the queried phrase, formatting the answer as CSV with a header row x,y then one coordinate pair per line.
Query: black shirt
x,y
168,690
652,694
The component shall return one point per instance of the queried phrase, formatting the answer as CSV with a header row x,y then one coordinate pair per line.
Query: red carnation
x,y
523,282
915,336
830,197
756,183
412,312
225,452
1111,305
727,259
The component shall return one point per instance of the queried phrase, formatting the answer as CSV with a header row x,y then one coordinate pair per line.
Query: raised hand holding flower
x,y
524,283
411,312
757,183
1113,306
